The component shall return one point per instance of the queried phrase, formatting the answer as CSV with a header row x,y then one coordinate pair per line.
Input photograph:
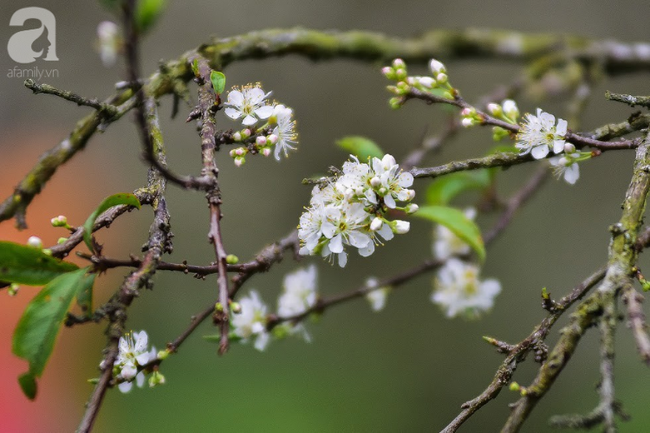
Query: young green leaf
x,y
109,202
28,265
147,13
361,147
218,81
456,221
443,189
27,382
39,325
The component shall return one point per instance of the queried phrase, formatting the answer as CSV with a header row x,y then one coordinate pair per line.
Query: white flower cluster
x,y
249,103
298,295
133,353
457,289
350,211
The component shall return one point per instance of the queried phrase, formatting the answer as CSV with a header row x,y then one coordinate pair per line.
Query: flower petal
x,y
540,152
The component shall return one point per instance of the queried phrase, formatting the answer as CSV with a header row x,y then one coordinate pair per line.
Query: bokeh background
x,y
404,369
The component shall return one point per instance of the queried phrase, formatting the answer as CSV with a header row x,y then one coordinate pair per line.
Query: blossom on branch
x,y
458,290
250,323
539,135
248,102
350,209
298,295
133,353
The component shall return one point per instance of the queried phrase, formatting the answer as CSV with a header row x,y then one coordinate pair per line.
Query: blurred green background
x,y
404,369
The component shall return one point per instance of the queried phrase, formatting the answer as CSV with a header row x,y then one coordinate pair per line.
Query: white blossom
x,y
133,353
250,324
249,103
566,167
447,244
108,34
458,290
539,135
377,295
285,130
298,295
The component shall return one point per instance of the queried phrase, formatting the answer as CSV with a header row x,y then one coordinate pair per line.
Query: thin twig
x,y
109,110
633,300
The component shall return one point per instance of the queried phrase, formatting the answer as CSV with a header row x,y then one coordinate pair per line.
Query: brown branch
x,y
520,350
622,257
633,301
159,240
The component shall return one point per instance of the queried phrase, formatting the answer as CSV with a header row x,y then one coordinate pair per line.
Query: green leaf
x,y
443,189
85,299
361,147
39,325
218,81
147,13
109,202
27,265
456,221
27,382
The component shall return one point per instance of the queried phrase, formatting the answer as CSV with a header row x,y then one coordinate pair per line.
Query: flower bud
x,y
569,147
465,112
467,122
13,289
272,139
510,109
232,259
240,151
61,241
427,82
401,227
412,208
260,141
233,153
388,72
266,151
375,182
156,379
245,133
495,109
239,161
60,221
400,74
436,67
236,136
235,307
35,242
398,63
376,224
442,78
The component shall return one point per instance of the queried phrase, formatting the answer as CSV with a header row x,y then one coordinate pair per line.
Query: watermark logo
x,y
26,46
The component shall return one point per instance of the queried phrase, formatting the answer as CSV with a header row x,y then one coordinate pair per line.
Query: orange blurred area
x,y
59,403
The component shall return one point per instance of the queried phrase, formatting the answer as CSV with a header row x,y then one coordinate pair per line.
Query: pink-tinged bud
x,y
466,112
246,133
402,227
236,136
437,67
233,153
376,224
387,71
272,138
412,81
398,63
239,161
266,151
35,242
569,147
239,151
260,141
494,109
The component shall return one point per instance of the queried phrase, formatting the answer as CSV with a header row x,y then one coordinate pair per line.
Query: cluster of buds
x,y
437,82
508,112
249,103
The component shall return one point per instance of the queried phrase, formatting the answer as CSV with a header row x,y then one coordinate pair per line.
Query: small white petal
x,y
125,387
540,152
